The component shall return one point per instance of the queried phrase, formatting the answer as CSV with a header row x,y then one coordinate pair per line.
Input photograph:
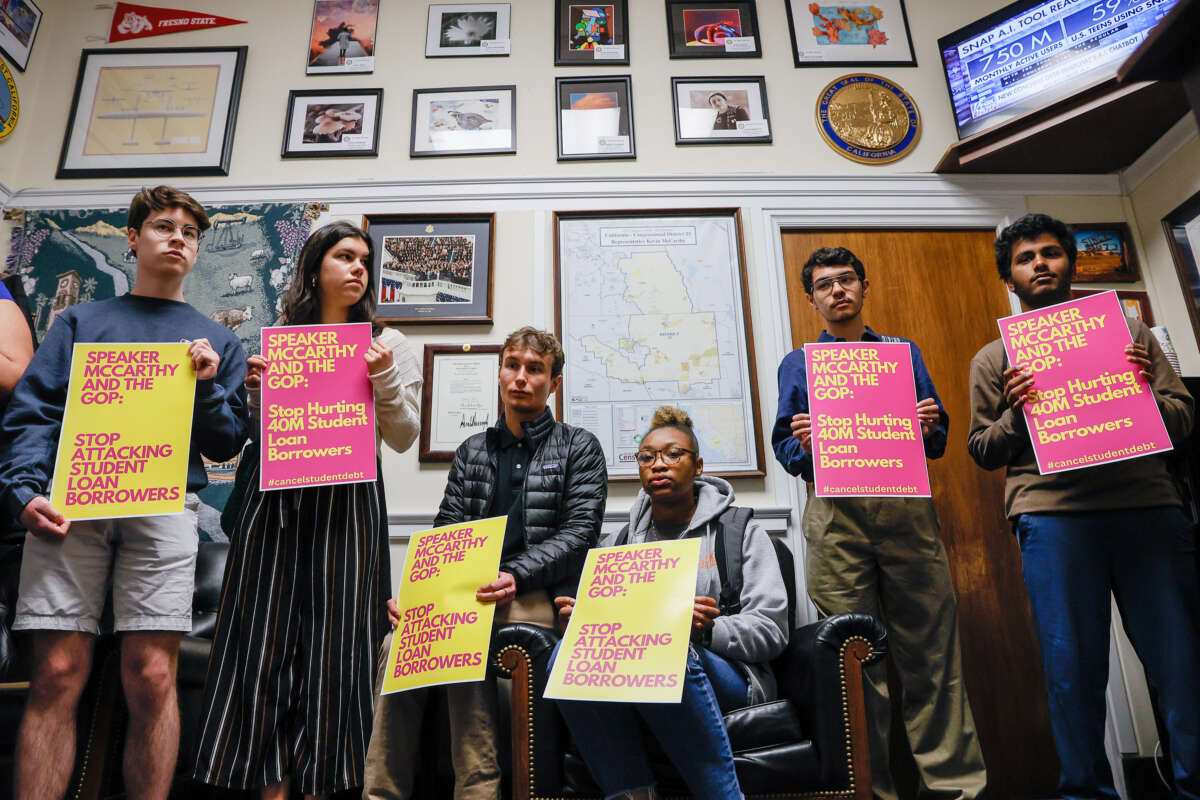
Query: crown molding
x,y
1157,154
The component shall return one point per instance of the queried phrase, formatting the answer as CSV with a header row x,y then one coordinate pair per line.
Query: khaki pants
x,y
395,734
883,556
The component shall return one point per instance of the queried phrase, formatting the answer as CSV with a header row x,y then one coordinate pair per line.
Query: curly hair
x,y
1028,228
302,303
673,417
830,257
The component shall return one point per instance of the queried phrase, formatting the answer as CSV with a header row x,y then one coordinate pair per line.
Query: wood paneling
x,y
940,289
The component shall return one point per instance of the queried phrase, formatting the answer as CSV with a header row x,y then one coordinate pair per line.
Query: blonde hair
x,y
673,417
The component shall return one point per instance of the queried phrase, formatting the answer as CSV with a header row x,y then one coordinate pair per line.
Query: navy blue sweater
x,y
29,431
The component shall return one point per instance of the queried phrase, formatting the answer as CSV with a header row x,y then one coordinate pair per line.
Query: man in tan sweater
x,y
1084,533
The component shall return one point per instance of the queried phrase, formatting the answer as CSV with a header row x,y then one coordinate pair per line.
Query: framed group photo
x,y
342,39
469,120
591,33
460,396
19,23
432,267
713,29
469,29
1105,253
873,34
595,118
721,110
332,123
153,111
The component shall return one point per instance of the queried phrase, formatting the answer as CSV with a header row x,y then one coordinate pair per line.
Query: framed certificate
x,y
460,397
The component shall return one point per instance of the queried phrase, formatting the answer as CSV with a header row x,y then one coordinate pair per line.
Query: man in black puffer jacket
x,y
551,480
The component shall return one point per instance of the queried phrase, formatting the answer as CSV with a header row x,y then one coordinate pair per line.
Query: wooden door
x,y
940,289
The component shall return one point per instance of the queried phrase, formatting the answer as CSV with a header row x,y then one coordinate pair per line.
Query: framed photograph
x,y
1105,253
342,39
1136,305
467,121
595,118
713,29
652,309
469,29
873,34
19,23
459,398
153,111
721,110
333,123
591,33
433,267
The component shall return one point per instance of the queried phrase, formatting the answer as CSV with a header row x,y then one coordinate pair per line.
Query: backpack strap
x,y
731,530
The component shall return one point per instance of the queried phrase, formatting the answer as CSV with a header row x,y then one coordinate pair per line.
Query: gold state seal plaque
x,y
868,119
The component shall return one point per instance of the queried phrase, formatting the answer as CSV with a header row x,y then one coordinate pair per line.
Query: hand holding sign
x,y
42,519
204,359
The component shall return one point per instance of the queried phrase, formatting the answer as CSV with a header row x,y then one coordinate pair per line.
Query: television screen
x,y
1034,52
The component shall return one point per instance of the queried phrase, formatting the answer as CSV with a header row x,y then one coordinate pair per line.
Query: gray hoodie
x,y
757,634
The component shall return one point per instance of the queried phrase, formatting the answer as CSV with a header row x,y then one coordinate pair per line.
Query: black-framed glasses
x,y
670,456
847,280
165,229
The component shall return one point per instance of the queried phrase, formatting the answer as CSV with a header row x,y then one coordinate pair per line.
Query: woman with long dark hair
x,y
288,694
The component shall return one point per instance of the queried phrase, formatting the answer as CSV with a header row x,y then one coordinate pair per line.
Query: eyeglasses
x,y
824,286
165,229
670,456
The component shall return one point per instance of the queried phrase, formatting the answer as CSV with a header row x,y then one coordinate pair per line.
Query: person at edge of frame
x,y
551,480
884,556
151,561
1085,533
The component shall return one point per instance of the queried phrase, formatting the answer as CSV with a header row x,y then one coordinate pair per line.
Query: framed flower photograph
x,y
153,111
471,120
595,118
591,33
468,29
432,267
721,110
713,29
1105,253
342,39
831,34
19,23
332,123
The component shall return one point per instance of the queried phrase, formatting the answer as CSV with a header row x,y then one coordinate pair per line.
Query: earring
x,y
314,281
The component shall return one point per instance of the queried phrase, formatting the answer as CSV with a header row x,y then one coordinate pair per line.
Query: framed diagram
x,y
153,111
652,309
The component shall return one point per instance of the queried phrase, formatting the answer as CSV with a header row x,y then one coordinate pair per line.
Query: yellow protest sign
x,y
628,636
444,632
126,432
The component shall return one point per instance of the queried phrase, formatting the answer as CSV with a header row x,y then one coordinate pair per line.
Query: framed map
x,y
652,310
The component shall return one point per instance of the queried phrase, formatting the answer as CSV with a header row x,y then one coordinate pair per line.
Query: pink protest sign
x,y
1092,405
866,438
318,408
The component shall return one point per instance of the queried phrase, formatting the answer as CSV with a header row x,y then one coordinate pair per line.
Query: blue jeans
x,y
692,732
1146,558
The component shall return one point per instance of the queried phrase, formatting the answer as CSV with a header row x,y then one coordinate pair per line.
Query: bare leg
x,y
148,664
46,740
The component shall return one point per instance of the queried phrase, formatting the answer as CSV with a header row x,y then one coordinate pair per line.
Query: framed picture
x,y
467,121
652,309
830,34
468,29
591,33
595,118
332,123
19,23
342,37
713,29
721,110
1105,253
153,111
459,398
1136,305
1182,229
433,267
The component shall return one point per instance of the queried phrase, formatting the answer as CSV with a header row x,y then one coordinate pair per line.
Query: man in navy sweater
x,y
151,561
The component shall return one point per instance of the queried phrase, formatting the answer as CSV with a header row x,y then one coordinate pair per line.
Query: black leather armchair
x,y
811,743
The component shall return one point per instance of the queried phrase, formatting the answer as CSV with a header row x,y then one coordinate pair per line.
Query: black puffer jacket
x,y
566,486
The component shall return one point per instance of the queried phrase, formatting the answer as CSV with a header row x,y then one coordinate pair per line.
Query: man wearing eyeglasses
x,y
150,561
883,556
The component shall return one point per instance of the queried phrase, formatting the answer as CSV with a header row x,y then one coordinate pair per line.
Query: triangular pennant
x,y
132,21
